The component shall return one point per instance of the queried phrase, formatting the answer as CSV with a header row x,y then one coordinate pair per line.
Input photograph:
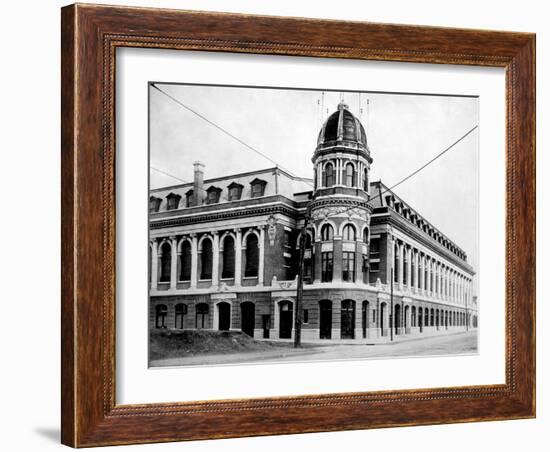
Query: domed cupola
x,y
342,157
342,126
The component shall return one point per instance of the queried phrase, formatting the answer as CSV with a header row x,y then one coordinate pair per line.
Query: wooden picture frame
x,y
90,36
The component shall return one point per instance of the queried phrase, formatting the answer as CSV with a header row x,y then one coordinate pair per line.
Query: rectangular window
x,y
306,316
287,239
348,266
365,268
374,267
289,273
235,193
257,190
374,316
213,197
326,266
374,248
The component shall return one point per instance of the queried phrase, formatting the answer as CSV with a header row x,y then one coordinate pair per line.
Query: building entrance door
x,y
247,318
347,320
224,316
325,319
285,320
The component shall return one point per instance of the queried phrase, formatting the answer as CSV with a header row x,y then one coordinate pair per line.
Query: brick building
x,y
223,252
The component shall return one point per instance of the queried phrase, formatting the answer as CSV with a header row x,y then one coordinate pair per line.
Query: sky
x,y
404,131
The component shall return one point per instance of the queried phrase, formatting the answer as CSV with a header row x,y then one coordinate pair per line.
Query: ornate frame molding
x,y
90,35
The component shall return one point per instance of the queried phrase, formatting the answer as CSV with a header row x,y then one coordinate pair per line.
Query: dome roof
x,y
342,125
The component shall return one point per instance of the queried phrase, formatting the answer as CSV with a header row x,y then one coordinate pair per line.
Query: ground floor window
x,y
180,312
161,314
201,319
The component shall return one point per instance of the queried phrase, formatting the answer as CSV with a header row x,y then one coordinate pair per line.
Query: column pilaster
x,y
215,259
238,256
173,262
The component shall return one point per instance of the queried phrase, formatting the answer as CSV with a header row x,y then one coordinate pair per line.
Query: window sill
x,y
250,277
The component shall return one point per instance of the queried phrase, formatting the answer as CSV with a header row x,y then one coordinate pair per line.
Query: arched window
x,y
328,175
201,318
327,233
349,232
366,236
206,260
161,312
165,262
181,312
252,256
228,257
185,261
349,175
365,180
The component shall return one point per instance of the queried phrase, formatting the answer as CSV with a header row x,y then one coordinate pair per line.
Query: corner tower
x,y
339,210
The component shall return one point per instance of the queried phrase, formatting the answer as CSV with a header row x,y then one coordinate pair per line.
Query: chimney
x,y
198,185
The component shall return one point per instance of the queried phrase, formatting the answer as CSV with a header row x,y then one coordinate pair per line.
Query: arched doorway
x,y
365,318
248,318
347,320
224,316
285,319
325,319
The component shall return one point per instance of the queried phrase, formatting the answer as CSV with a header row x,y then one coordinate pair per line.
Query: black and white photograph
x,y
295,225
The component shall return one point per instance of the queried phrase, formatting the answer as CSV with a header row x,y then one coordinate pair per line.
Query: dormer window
x,y
235,191
154,204
189,200
258,187
213,195
172,201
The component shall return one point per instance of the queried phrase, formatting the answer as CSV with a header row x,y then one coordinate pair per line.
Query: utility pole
x,y
300,288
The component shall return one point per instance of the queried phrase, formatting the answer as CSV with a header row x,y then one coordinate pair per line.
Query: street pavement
x,y
452,344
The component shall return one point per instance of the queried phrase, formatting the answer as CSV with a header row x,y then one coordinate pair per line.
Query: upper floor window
x,y
349,232
154,204
308,259
328,175
349,174
213,195
327,233
165,262
348,266
235,191
189,199
287,239
252,256
258,187
185,261
173,201
365,180
228,257
206,260
366,235
374,247
326,266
